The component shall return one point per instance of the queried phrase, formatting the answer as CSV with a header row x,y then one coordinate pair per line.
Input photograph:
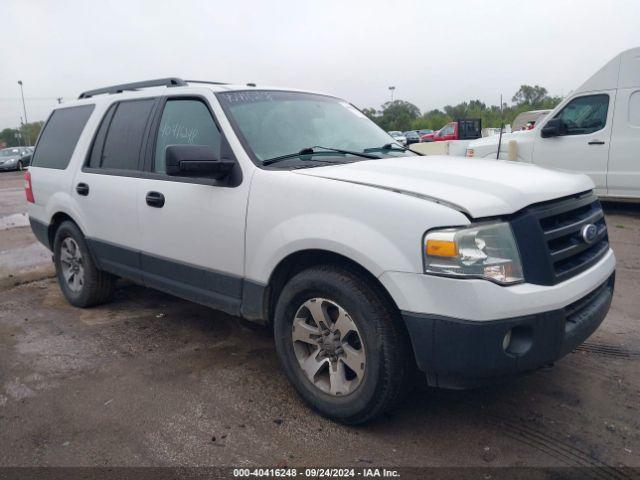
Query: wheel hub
x,y
330,345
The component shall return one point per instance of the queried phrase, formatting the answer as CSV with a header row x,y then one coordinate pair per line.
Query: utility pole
x,y
392,89
24,108
19,135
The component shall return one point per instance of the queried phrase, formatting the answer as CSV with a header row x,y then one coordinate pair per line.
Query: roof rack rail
x,y
160,82
206,81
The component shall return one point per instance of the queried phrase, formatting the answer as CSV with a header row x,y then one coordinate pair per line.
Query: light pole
x,y
392,89
24,108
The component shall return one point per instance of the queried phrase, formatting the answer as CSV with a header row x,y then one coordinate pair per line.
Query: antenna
x,y
501,128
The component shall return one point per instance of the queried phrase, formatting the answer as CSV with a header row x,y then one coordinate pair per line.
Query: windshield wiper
x,y
312,150
393,147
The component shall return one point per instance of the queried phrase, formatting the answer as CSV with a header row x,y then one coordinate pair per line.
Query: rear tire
x,y
312,355
82,284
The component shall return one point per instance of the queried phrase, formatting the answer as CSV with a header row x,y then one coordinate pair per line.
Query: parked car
x,y
367,260
398,137
595,130
467,129
15,158
528,120
412,137
428,137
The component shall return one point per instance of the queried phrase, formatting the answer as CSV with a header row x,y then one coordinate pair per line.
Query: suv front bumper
x,y
456,353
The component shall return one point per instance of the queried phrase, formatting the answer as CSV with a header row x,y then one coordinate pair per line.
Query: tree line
x,y
25,135
402,115
397,115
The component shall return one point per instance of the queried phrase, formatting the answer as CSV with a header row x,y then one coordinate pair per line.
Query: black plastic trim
x,y
220,290
254,301
41,231
537,260
456,353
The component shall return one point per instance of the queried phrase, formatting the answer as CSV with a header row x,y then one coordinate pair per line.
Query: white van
x,y
295,210
595,130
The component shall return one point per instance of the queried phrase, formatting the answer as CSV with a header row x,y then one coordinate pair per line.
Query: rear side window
x,y
60,136
124,135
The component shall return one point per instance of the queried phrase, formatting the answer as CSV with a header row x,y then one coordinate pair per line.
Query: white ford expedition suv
x,y
293,209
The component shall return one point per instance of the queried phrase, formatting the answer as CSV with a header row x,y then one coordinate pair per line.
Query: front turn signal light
x,y
442,248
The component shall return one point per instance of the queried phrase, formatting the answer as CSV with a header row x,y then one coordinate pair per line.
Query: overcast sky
x,y
435,53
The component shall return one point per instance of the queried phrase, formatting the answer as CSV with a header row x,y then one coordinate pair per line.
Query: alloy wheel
x,y
328,347
72,264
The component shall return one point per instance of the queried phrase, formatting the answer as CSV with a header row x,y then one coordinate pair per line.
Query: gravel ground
x,y
153,380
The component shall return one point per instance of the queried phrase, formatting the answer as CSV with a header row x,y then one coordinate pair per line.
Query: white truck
x,y
293,209
595,130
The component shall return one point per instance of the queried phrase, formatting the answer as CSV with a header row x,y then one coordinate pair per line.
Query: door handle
x,y
155,199
82,189
596,142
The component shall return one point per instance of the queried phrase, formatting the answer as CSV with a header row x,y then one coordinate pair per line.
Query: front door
x,y
584,146
192,228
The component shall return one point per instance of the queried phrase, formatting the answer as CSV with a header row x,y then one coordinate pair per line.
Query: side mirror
x,y
554,128
196,161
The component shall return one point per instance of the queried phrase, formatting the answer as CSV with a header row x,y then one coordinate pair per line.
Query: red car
x,y
458,130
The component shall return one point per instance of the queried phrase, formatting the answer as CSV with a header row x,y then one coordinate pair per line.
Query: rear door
x,y
584,147
623,177
193,239
107,187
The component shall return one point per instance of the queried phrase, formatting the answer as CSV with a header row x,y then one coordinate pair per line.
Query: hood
x,y
480,188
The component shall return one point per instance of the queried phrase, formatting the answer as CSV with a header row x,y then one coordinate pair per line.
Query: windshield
x,y
9,152
276,123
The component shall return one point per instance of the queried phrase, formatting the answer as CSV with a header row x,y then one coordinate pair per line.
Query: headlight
x,y
485,250
12,160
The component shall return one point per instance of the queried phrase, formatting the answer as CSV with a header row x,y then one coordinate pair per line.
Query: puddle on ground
x,y
13,221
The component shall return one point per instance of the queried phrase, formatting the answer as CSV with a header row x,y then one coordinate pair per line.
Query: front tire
x,y
82,284
341,344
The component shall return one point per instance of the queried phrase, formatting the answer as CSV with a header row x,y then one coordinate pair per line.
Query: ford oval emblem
x,y
589,233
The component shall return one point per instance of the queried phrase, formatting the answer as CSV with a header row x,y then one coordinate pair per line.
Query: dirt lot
x,y
154,380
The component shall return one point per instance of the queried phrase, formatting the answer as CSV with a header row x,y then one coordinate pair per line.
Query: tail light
x,y
27,187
